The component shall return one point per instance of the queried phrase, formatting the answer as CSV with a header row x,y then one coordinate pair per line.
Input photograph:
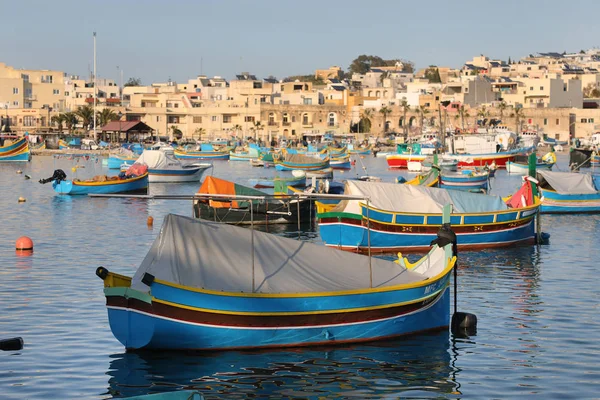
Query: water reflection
x,y
419,365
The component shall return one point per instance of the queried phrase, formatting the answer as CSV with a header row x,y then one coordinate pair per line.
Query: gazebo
x,y
126,130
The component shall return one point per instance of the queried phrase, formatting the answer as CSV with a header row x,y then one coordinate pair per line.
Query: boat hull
x,y
138,185
464,160
213,322
270,212
174,176
523,169
464,182
201,155
387,232
242,157
17,151
556,203
283,166
115,162
270,183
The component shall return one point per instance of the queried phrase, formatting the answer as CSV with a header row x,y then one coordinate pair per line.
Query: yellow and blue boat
x,y
290,162
115,161
467,180
407,217
569,192
206,152
102,185
15,150
197,289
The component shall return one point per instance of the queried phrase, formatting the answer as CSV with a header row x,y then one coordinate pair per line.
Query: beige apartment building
x,y
31,89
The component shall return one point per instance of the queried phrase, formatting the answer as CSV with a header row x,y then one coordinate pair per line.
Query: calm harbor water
x,y
538,310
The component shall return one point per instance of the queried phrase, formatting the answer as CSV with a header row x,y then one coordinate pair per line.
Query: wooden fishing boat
x,y
340,162
14,149
469,180
430,179
520,168
263,183
407,217
163,168
101,184
115,161
290,162
320,173
251,154
210,286
39,146
206,152
270,210
63,145
569,192
362,151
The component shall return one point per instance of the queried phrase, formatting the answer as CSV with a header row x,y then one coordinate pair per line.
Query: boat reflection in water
x,y
420,365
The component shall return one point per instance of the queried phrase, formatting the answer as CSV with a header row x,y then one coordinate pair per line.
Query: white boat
x,y
164,168
321,173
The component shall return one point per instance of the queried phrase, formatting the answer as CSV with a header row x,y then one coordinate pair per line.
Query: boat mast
x,y
95,88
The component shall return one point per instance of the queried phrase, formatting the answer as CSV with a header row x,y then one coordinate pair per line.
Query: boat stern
x,y
129,310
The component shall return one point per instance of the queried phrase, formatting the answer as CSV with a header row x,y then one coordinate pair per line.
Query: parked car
x,y
88,144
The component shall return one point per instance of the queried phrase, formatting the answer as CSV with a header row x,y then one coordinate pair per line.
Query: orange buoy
x,y
24,244
150,221
22,199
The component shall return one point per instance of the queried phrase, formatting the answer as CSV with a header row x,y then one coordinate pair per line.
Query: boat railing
x,y
290,196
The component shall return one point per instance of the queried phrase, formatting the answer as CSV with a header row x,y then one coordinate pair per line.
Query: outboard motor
x,y
58,176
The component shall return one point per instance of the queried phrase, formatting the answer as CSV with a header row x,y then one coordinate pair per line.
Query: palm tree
x,y
58,120
365,120
105,116
200,132
483,114
237,128
86,113
463,113
257,126
405,109
385,111
517,114
502,106
422,111
70,119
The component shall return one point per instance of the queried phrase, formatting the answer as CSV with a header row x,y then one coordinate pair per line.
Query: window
x,y
16,103
591,120
531,88
55,91
176,105
226,119
173,119
557,121
248,119
293,118
286,118
66,93
16,90
331,119
541,88
25,77
29,120
307,101
545,121
158,118
584,120
564,88
213,118
197,120
304,119
169,104
271,119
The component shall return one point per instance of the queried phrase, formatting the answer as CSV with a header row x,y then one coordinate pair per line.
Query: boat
x,y
251,154
257,163
320,173
62,144
290,162
134,182
266,209
13,148
521,164
554,142
472,180
407,217
210,286
416,166
38,147
206,152
116,160
595,160
262,183
429,179
464,160
341,162
163,168
569,192
580,157
362,151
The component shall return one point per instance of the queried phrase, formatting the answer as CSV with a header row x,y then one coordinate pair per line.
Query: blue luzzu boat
x,y
251,154
206,152
569,192
340,162
115,161
197,289
407,217
18,150
470,181
102,185
290,162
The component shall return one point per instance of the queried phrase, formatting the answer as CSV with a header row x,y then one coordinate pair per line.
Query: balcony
x,y
307,125
272,123
286,123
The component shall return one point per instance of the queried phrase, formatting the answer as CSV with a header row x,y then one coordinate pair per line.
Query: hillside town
x,y
555,94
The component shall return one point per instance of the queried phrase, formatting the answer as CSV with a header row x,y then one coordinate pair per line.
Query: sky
x,y
180,39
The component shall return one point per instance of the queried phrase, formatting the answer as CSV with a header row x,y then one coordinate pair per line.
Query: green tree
x,y
70,120
433,74
176,132
502,106
463,114
385,111
133,82
364,125
257,128
422,112
517,114
86,114
105,116
405,109
58,120
482,113
200,132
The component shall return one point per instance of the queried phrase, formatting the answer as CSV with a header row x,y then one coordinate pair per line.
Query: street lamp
x,y
120,114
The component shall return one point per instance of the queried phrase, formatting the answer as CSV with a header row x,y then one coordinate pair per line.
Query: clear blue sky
x,y
155,40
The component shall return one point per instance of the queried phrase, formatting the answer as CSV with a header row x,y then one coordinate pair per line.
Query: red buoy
x,y
24,244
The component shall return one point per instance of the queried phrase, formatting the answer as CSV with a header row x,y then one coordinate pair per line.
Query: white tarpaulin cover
x,y
416,199
215,256
569,182
154,159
